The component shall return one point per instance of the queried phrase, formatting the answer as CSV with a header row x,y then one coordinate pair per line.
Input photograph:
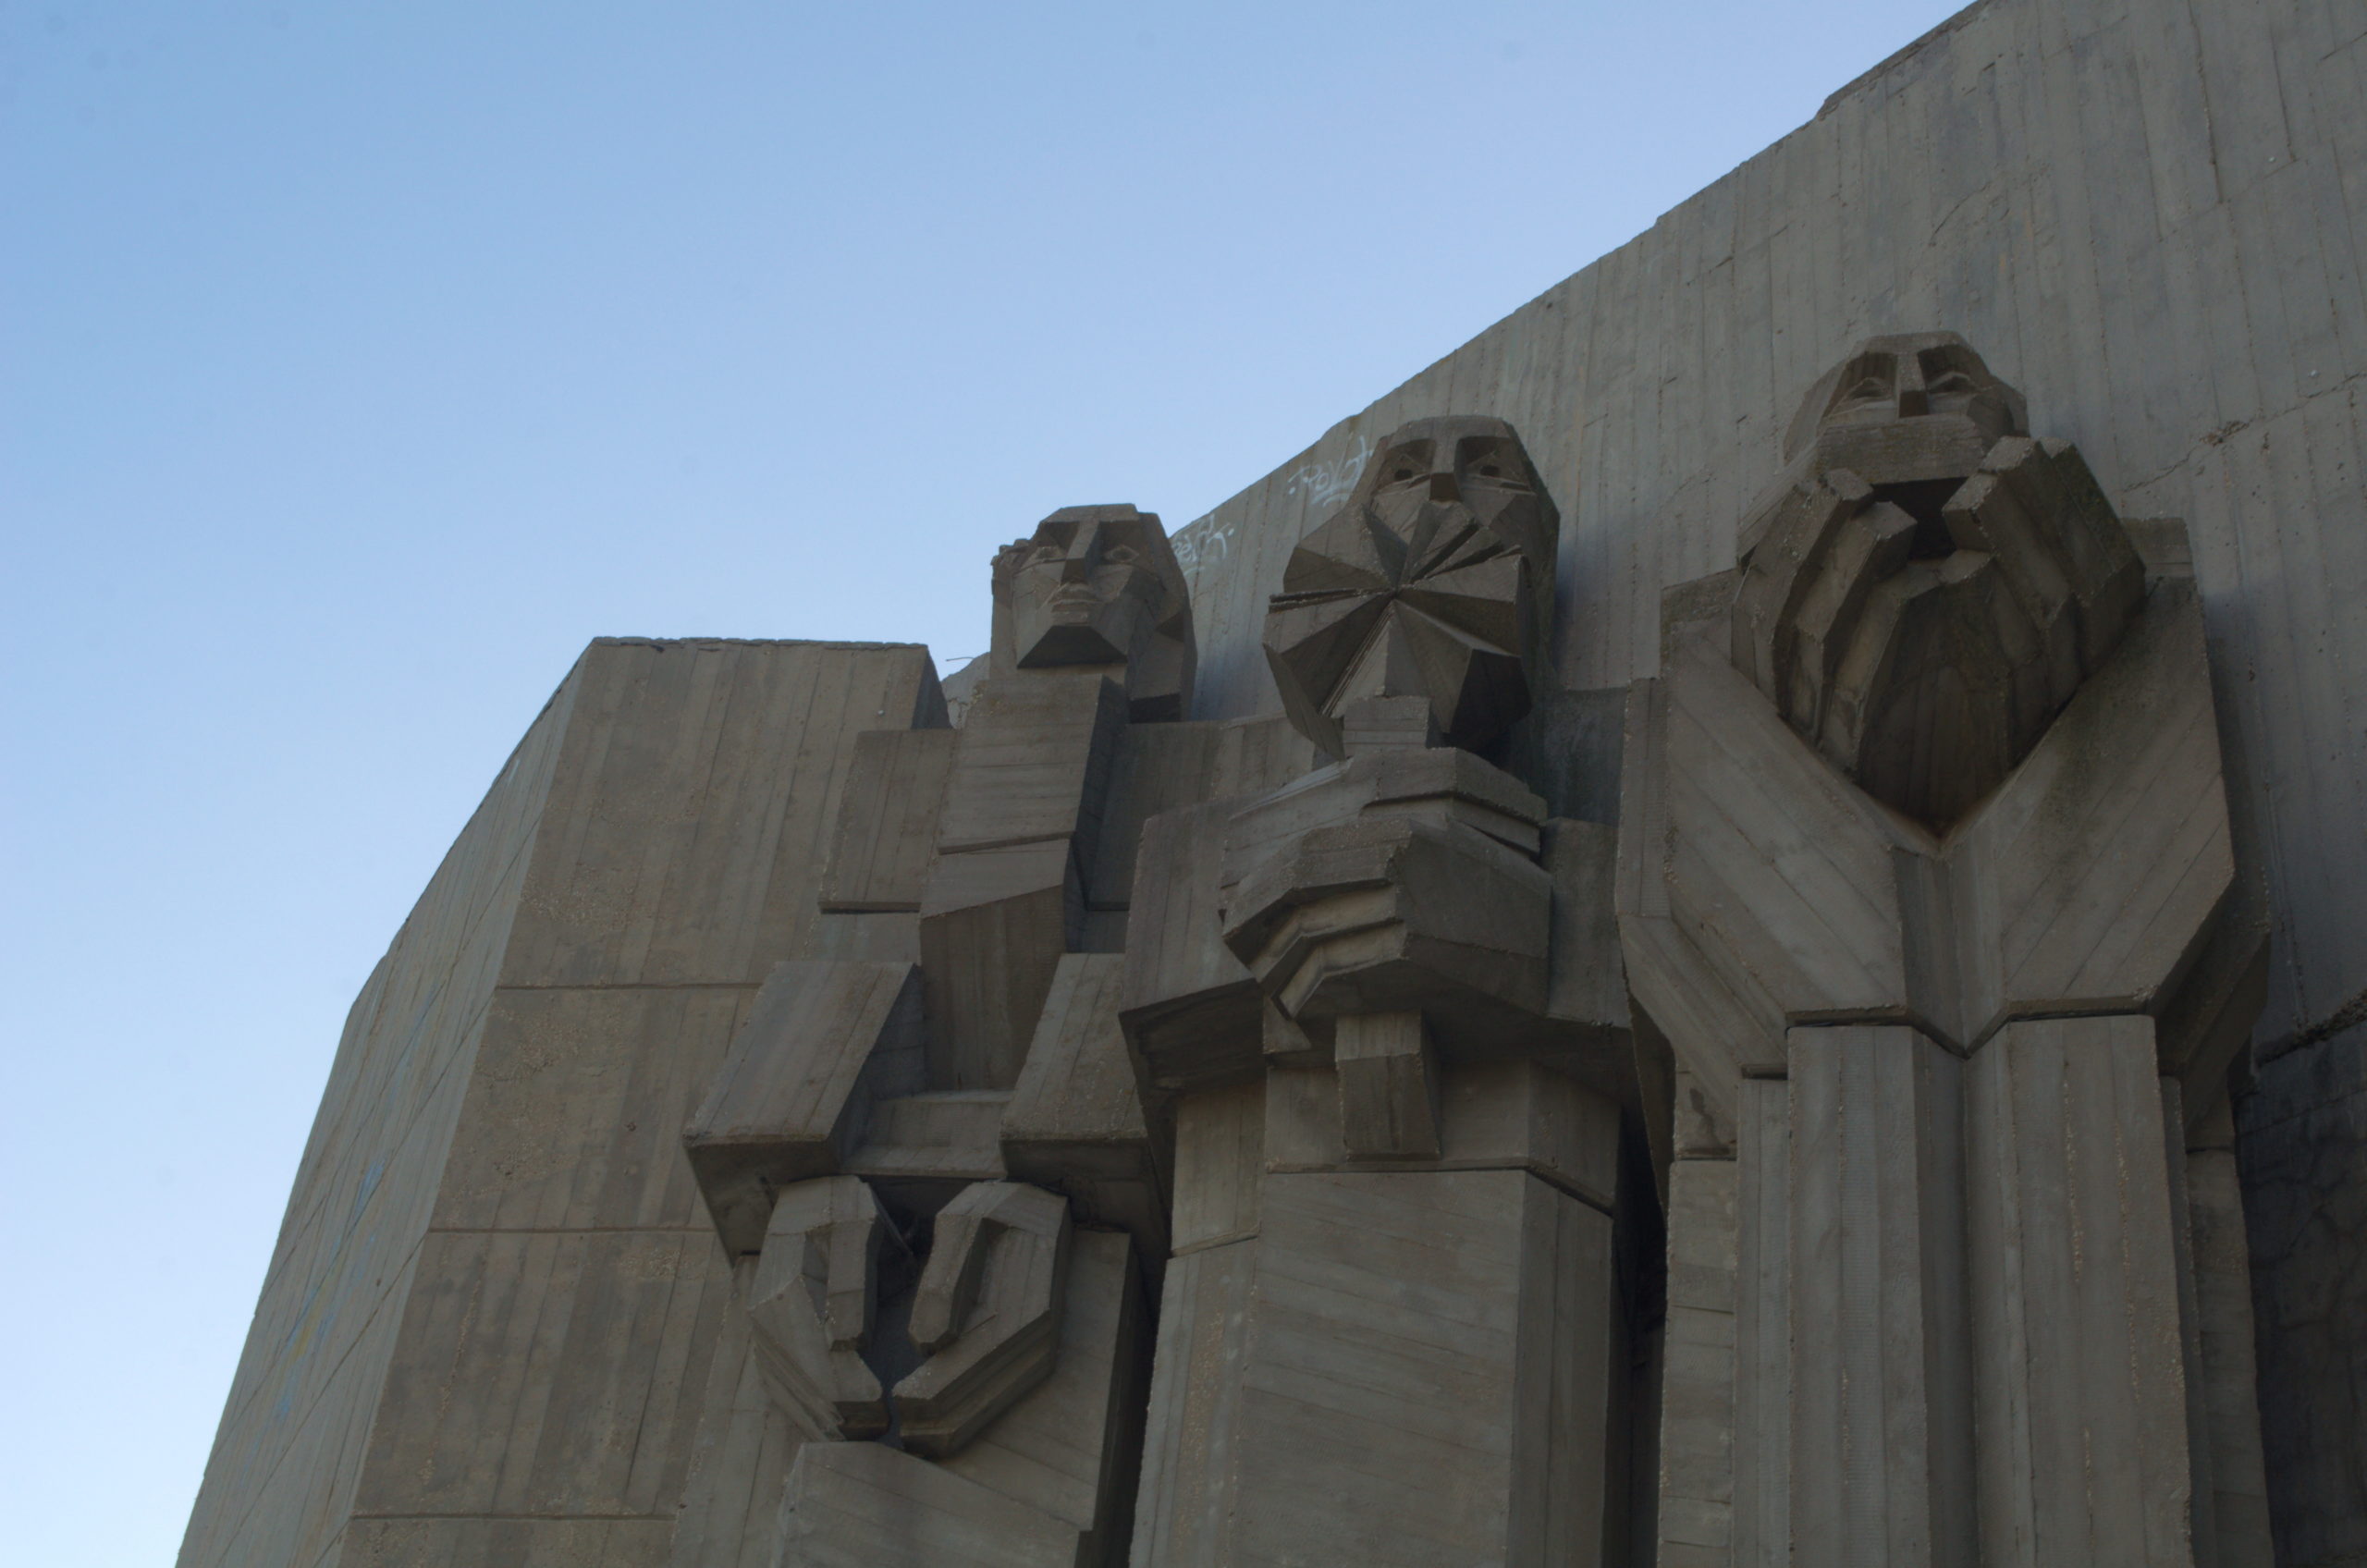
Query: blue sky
x,y
359,361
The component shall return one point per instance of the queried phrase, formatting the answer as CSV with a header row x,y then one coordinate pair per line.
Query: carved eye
x,y
1043,553
1956,383
1120,555
1407,460
1870,388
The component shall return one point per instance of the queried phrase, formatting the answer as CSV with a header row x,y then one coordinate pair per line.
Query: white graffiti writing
x,y
1323,483
1199,542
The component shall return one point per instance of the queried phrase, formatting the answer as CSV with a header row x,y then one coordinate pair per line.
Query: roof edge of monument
x,y
1867,78
747,643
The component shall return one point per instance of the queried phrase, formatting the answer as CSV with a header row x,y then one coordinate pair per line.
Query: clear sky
x,y
359,361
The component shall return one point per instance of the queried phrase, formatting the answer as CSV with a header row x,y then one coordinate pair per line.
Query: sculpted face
x,y
1910,408
1099,586
1434,582
1082,593
1928,586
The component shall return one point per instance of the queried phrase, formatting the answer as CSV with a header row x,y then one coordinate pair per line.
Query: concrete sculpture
x,y
926,1147
1380,1003
1435,581
1203,950
1926,880
1304,1139
1105,987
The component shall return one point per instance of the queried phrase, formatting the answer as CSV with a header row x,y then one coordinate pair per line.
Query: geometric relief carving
x,y
976,1331
1923,596
1428,582
812,1301
1393,1332
908,1291
987,1314
1924,815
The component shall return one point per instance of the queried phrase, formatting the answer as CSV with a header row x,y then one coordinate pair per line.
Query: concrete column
x,y
1763,1479
1880,1463
2080,1400
1426,1374
1697,1465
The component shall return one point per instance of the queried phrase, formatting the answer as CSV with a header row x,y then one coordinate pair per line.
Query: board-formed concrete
x,y
1123,1107
492,1332
2149,216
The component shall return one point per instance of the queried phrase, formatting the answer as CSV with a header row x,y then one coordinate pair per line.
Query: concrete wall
x,y
280,1479
498,1320
493,1329
2148,215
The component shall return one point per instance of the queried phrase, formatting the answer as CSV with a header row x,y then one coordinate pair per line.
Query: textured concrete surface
x,y
497,1329
497,1318
2303,1150
2150,214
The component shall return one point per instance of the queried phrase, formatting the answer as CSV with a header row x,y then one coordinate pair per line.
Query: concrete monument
x,y
926,1148
1652,954
1381,1004
1926,880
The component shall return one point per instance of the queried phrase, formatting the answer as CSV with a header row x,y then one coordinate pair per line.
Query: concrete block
x,y
1191,1011
887,815
1220,1147
986,1314
994,924
1194,1429
1503,1115
1387,1076
1075,1123
1451,1326
1032,761
1881,1413
824,1040
922,1149
862,1506
2079,1387
1157,768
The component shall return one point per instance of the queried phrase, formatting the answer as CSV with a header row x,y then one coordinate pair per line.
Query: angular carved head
x,y
1434,582
1099,586
1927,586
1908,408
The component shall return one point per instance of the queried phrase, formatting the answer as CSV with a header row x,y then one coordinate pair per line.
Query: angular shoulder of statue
x,y
2108,856
825,1041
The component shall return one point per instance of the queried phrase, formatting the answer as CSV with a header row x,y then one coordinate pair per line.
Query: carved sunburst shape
x,y
1423,585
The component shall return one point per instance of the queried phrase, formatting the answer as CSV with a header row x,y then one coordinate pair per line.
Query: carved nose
x,y
1913,397
1442,489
